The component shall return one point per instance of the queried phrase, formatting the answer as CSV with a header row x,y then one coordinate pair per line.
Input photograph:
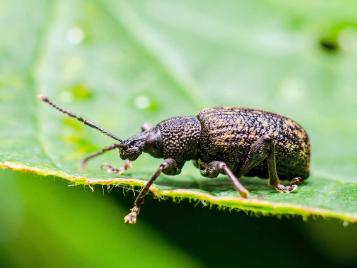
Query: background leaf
x,y
56,226
122,63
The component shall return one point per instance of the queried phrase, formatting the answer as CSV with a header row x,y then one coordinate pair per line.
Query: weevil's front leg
x,y
169,166
264,149
214,168
110,169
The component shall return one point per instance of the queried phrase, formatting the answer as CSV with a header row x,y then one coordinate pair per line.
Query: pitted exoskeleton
x,y
225,140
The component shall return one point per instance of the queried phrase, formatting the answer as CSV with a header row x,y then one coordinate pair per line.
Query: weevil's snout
x,y
130,151
148,141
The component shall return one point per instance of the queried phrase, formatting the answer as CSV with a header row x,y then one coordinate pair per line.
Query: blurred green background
x,y
162,58
45,223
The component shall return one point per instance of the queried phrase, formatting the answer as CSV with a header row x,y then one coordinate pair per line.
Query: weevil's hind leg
x,y
214,168
169,166
273,175
295,182
84,162
264,149
119,171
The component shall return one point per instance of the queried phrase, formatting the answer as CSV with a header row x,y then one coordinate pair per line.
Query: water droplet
x,y
292,90
75,35
142,102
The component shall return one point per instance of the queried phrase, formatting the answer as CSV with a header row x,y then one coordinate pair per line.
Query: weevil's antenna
x,y
84,121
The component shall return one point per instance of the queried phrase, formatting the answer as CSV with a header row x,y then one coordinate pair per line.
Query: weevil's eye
x,y
123,146
148,141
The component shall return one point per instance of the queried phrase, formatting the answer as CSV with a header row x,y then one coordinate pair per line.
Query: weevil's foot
x,y
292,188
119,171
127,165
131,217
83,164
110,169
296,181
286,189
244,193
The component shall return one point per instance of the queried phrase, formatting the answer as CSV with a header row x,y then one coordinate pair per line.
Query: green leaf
x,y
122,63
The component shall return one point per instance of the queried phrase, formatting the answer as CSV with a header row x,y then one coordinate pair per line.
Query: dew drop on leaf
x,y
75,35
142,102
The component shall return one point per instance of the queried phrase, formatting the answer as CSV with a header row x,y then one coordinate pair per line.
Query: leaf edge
x,y
253,207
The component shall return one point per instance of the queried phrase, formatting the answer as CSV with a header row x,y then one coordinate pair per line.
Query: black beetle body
x,y
224,140
229,132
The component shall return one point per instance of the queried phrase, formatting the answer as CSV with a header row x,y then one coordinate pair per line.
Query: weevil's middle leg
x,y
214,168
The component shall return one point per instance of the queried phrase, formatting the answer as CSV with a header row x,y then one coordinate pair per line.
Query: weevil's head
x,y
148,141
176,138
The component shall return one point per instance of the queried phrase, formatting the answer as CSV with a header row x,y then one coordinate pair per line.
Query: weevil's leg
x,y
110,169
104,150
264,149
273,175
145,126
214,168
169,166
258,152
295,182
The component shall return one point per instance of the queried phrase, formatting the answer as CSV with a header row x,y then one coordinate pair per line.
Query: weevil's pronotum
x,y
225,140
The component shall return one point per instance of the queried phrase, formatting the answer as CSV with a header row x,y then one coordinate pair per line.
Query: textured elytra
x,y
229,132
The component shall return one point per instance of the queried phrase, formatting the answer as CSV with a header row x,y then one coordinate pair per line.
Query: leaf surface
x,y
122,63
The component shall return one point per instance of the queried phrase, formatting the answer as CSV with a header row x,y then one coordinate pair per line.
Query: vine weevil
x,y
225,140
